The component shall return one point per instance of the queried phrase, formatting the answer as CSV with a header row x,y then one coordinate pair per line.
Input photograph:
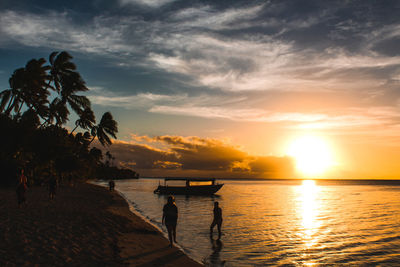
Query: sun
x,y
313,155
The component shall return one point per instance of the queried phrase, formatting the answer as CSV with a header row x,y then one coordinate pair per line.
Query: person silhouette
x,y
217,219
170,218
111,185
22,178
52,187
21,189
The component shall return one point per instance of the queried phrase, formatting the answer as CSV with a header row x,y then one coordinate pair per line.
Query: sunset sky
x,y
225,88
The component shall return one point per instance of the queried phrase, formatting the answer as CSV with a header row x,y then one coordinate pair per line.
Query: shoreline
x,y
145,220
85,225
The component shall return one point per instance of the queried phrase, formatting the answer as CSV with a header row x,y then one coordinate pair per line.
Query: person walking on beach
x,y
170,218
111,185
217,219
52,187
22,178
21,189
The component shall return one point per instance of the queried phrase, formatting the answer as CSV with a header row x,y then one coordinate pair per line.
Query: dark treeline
x,y
33,113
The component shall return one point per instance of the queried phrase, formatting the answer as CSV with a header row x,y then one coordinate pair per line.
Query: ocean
x,y
283,222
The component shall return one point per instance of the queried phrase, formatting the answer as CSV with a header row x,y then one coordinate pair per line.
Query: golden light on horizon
x,y
312,154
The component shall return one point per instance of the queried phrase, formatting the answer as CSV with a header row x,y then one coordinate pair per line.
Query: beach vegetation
x,y
34,111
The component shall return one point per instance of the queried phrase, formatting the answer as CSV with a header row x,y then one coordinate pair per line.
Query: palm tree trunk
x,y
20,107
46,121
91,140
9,107
74,129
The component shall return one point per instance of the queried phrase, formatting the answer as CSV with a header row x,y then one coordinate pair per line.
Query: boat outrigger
x,y
193,186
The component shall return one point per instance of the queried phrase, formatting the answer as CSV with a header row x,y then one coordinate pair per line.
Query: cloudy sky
x,y
222,87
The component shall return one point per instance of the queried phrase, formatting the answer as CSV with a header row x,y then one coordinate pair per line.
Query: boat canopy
x,y
191,179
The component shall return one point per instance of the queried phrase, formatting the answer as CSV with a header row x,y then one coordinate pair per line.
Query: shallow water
x,y
283,222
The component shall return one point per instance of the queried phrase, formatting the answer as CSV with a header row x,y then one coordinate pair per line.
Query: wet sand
x,y
84,225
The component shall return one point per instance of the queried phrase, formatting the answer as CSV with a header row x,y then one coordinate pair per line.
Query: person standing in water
x,y
217,219
170,218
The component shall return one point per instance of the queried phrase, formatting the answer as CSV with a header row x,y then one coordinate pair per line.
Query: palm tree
x,y
60,66
28,86
56,111
67,82
86,120
5,97
83,139
13,95
107,126
35,90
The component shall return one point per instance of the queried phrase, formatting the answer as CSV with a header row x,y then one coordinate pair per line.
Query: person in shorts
x,y
170,219
217,219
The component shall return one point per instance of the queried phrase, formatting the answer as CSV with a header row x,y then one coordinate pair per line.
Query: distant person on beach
x,y
111,185
22,178
170,218
21,189
52,187
217,219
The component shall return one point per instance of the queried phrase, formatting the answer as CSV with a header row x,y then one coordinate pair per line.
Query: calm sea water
x,y
283,222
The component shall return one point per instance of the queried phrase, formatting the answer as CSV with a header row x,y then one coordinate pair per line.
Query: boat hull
x,y
188,190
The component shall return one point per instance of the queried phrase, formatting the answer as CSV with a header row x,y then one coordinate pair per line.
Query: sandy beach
x,y
85,225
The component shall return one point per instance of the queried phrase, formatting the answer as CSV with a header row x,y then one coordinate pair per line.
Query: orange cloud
x,y
197,156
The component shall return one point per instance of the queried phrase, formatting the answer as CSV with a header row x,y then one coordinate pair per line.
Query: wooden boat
x,y
193,186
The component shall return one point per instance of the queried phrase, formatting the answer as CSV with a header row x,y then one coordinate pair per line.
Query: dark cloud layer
x,y
202,156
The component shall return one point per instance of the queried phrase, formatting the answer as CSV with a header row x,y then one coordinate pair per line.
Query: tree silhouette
x,y
57,112
107,126
5,97
86,120
28,86
13,95
32,136
35,90
67,82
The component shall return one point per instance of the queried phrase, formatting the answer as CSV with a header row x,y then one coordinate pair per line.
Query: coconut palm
x,y
14,94
107,126
72,84
86,120
67,82
35,90
28,86
5,97
61,66
58,112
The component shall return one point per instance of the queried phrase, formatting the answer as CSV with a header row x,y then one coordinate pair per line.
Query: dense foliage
x,y
33,112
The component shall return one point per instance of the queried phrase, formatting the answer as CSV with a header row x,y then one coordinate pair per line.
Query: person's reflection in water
x,y
215,257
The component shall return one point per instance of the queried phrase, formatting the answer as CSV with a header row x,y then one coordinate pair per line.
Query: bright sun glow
x,y
312,154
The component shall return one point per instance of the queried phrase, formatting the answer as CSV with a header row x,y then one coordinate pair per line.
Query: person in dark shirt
x,y
217,219
21,191
22,178
52,187
170,218
111,185
22,188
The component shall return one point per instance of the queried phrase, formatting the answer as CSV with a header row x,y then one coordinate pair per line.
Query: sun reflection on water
x,y
308,192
